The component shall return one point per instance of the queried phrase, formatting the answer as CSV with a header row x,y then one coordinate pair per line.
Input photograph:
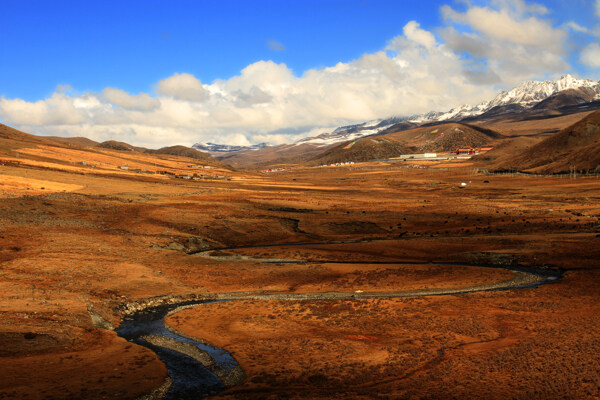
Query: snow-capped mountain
x,y
523,97
225,148
531,92
527,95
351,132
457,113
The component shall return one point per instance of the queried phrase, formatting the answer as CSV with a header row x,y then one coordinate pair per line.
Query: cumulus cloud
x,y
252,97
478,50
413,32
58,109
519,7
182,86
590,55
501,25
508,40
142,101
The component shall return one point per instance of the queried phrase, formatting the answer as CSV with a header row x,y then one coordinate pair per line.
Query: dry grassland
x,y
75,244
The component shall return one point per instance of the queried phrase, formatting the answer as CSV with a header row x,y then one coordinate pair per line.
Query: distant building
x,y
471,151
465,151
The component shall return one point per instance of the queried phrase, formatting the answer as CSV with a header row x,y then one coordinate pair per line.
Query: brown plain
x,y
77,241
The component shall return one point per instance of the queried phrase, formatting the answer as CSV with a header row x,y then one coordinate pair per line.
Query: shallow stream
x,y
195,377
191,379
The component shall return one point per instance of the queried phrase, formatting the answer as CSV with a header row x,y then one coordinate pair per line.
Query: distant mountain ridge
x,y
536,95
225,148
526,95
351,132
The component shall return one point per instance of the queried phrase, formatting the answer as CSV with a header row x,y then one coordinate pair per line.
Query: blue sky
x,y
131,44
245,71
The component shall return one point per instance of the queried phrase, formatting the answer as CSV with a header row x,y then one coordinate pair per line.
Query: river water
x,y
191,379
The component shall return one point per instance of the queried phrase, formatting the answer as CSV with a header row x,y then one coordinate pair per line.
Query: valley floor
x,y
76,246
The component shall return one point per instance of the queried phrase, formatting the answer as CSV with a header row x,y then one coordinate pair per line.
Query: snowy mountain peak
x,y
526,95
351,132
530,92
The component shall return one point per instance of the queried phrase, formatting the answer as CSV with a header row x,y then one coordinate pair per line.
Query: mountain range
x,y
536,95
525,96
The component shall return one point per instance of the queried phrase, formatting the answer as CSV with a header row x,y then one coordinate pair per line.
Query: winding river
x,y
197,369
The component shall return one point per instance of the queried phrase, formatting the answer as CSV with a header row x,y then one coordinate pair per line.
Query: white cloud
x,y
121,98
412,31
478,49
590,55
507,41
598,8
519,7
59,108
182,86
236,139
503,25
274,79
575,27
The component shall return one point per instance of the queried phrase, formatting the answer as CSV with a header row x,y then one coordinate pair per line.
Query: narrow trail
x,y
198,369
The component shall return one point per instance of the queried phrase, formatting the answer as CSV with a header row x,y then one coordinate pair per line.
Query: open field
x,y
77,242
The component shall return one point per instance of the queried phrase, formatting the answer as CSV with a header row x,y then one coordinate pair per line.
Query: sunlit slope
x,y
575,148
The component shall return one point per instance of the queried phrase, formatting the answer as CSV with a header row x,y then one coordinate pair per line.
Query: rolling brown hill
x,y
429,139
17,144
284,154
115,145
12,134
178,150
184,151
75,141
12,139
6,132
365,149
575,148
449,137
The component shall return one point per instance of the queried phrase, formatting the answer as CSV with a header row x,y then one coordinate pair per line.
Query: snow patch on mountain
x,y
351,132
531,92
526,94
